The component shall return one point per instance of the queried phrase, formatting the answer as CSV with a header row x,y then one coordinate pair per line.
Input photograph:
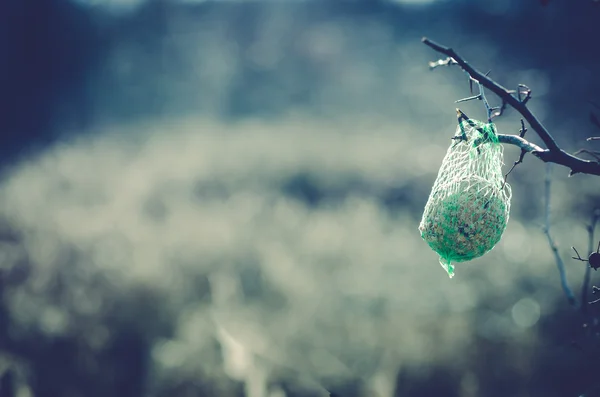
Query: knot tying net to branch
x,y
468,208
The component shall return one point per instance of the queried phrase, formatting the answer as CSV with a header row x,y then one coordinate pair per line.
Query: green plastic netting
x,y
468,208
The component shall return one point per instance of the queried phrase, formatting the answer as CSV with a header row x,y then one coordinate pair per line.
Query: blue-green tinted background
x,y
222,198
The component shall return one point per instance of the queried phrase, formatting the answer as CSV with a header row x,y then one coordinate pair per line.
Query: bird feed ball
x,y
467,210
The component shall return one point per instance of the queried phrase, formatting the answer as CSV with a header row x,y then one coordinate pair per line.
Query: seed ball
x,y
465,225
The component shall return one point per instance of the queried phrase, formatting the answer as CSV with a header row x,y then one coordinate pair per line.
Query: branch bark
x,y
553,153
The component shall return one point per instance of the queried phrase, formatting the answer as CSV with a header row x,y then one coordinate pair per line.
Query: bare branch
x,y
559,262
516,140
554,154
586,279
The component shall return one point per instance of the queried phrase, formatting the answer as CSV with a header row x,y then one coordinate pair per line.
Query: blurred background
x,y
221,198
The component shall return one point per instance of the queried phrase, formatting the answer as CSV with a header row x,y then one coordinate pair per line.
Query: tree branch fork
x,y
553,153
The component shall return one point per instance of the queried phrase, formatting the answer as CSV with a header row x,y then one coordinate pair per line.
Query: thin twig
x,y
559,262
554,154
592,153
586,279
522,143
523,90
522,132
579,258
468,98
499,110
442,62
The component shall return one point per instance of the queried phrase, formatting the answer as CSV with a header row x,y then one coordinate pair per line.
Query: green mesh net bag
x,y
467,210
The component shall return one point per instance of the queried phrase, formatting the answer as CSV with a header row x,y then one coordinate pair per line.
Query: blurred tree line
x,y
53,54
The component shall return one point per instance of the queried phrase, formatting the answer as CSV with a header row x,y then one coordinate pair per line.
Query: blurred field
x,y
237,215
